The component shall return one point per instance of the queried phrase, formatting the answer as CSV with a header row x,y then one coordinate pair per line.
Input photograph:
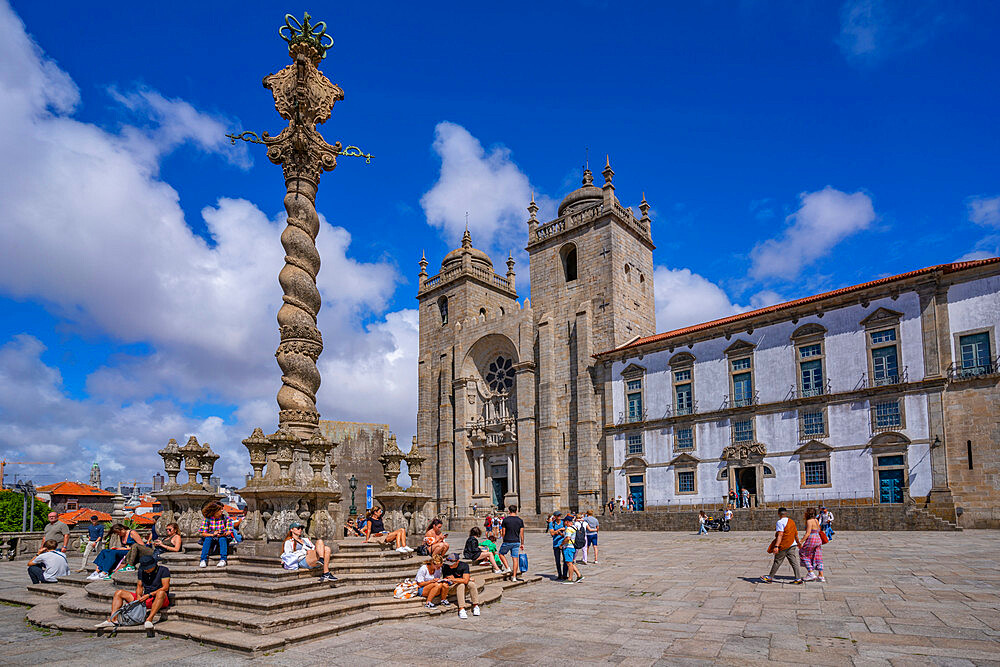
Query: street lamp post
x,y
353,482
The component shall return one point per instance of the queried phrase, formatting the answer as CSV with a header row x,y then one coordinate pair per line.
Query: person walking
x,y
592,525
784,547
556,530
569,551
95,534
826,522
811,551
729,516
702,518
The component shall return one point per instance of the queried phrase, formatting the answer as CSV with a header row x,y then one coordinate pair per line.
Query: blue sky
x,y
786,148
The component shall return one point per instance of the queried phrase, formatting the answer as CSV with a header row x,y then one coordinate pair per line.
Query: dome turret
x,y
454,258
583,197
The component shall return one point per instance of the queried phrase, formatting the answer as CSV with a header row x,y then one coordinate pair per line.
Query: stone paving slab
x,y
897,598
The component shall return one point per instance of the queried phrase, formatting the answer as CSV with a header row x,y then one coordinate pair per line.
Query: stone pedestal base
x,y
182,504
405,509
941,503
272,509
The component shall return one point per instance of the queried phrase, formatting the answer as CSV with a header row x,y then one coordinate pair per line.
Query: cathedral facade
x,y
511,399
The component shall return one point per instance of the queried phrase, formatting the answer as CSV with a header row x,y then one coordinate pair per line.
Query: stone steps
x,y
254,605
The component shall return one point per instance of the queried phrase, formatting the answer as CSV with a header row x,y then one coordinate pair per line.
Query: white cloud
x,y
489,186
92,233
825,218
684,298
985,211
871,30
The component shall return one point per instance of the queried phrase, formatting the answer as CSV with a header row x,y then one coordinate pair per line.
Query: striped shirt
x,y
225,524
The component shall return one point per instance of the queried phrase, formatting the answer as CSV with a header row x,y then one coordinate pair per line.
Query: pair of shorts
x,y
569,553
304,564
512,548
591,539
149,602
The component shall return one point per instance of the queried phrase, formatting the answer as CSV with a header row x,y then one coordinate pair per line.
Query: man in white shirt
x,y
825,521
592,525
48,565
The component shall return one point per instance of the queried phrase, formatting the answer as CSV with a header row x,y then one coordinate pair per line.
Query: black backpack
x,y
581,538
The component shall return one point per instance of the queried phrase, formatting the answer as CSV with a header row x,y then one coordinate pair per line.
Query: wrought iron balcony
x,y
982,368
883,380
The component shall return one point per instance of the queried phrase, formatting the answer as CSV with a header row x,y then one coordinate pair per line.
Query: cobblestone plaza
x,y
656,598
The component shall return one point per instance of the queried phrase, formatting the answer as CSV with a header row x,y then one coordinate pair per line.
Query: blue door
x,y
638,492
890,486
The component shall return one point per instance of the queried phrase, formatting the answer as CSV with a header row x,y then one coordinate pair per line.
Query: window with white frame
x,y
685,481
682,372
813,423
633,444
743,430
885,357
816,473
633,396
684,437
974,350
811,369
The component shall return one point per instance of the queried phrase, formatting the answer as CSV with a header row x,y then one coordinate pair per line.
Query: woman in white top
x,y
300,553
430,582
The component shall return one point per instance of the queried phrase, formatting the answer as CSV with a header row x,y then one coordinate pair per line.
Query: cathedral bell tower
x,y
592,290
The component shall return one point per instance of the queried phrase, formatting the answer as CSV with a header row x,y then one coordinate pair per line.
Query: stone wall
x,y
872,517
972,422
359,447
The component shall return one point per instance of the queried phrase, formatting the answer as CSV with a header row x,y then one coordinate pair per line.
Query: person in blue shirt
x,y
95,535
557,532
569,550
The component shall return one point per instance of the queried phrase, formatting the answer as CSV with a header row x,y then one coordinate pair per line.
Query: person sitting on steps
x,y
109,558
216,528
171,543
299,553
375,532
434,539
477,553
152,587
457,573
430,582
48,565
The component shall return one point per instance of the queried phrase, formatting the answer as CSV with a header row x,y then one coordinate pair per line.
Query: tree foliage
x,y
11,508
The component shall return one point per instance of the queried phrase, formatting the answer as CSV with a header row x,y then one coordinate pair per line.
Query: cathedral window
x,y
443,307
568,257
500,376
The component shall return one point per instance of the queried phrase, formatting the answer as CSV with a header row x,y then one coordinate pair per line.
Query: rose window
x,y
500,376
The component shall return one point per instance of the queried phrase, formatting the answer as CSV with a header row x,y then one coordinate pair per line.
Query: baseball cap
x,y
147,563
295,524
452,558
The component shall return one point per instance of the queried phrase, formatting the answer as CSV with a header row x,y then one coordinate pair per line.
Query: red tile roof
x,y
142,519
83,515
67,488
944,268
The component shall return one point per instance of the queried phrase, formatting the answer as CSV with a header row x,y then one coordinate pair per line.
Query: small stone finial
x,y
533,207
644,207
466,238
510,262
588,177
423,264
608,172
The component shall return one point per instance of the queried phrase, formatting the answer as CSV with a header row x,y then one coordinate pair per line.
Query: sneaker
x,y
328,577
797,581
95,575
569,582
202,564
221,563
515,580
104,624
401,550
462,614
128,568
810,577
430,605
580,579
104,577
821,579
445,603
148,625
595,562
475,610
766,579
409,550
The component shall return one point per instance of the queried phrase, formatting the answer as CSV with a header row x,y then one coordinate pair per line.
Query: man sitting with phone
x,y
152,587
457,573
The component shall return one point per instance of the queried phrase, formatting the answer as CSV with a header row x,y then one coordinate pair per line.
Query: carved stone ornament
x,y
744,451
257,444
171,461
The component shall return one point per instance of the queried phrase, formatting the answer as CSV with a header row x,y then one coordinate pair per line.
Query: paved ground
x,y
656,598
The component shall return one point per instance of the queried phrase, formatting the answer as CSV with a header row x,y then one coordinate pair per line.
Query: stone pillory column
x,y
293,476
304,97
